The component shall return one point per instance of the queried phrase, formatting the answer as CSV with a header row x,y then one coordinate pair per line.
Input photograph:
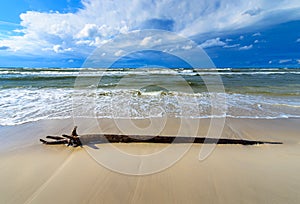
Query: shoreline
x,y
147,118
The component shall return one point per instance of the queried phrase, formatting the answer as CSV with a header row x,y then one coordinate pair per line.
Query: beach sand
x,y
31,172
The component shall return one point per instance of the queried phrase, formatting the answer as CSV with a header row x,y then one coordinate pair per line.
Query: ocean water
x,y
30,94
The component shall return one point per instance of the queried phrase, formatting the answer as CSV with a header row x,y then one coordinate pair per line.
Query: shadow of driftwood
x,y
91,140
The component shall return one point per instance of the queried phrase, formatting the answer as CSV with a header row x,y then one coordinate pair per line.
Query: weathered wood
x,y
75,140
55,137
56,142
178,139
70,140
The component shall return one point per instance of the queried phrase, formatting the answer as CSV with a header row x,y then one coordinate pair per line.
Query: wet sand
x,y
233,173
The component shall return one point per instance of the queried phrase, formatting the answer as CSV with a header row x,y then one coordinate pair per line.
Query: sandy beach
x,y
31,172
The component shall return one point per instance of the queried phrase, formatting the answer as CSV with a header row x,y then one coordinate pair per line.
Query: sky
x,y
233,33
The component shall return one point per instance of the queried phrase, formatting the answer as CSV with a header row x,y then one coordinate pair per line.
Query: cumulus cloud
x,y
150,41
212,43
60,49
146,41
298,40
88,31
99,21
246,47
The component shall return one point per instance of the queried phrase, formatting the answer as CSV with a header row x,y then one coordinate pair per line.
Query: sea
x,y
31,94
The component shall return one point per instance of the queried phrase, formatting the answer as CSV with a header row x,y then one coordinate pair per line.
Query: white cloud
x,y
98,21
158,41
256,34
232,46
247,47
298,61
57,48
146,41
187,47
119,53
284,61
60,49
246,13
150,41
259,41
83,42
298,40
88,31
212,43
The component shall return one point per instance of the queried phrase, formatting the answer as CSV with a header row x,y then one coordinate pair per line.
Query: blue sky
x,y
234,33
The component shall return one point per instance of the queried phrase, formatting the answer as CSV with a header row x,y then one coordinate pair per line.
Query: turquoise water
x,y
29,94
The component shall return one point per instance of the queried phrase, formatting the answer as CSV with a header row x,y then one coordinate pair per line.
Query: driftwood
x,y
113,138
69,140
75,141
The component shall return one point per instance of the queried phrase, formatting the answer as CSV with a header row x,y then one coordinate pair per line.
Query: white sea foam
x,y
23,105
